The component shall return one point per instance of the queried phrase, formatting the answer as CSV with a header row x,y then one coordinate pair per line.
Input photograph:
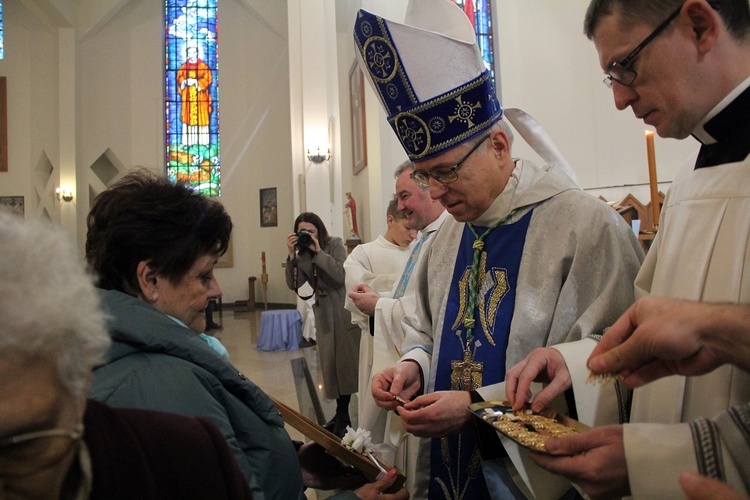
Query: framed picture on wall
x,y
227,260
359,135
12,203
268,208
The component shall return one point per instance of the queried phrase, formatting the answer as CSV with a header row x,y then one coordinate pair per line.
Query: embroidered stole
x,y
409,268
455,461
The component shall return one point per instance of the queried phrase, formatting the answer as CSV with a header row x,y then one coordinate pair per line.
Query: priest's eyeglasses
x,y
444,175
620,71
26,454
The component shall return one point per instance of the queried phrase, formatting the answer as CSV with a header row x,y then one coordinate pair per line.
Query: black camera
x,y
304,240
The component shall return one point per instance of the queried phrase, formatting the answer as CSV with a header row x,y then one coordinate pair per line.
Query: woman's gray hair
x,y
48,305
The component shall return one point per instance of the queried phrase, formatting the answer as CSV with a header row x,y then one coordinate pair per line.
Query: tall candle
x,y
652,177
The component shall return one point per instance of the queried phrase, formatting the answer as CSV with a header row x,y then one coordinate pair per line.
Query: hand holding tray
x,y
528,429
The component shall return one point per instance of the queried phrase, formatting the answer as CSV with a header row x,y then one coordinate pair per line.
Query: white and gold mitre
x,y
429,75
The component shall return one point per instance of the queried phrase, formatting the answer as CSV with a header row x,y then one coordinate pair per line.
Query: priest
x,y
377,264
692,78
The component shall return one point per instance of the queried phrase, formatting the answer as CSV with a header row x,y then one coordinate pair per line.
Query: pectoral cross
x,y
466,374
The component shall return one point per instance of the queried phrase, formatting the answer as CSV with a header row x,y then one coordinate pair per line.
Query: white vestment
x,y
574,280
377,264
387,339
701,252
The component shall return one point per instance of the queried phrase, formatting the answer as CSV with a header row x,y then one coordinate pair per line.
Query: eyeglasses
x,y
444,175
620,71
26,454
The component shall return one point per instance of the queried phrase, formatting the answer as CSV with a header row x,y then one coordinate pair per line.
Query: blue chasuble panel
x,y
455,461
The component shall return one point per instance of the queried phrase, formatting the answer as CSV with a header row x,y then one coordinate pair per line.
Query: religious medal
x,y
467,373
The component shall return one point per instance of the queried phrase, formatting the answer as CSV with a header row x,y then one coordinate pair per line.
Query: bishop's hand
x,y
544,364
403,380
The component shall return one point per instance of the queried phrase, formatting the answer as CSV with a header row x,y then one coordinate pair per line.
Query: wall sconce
x,y
64,194
318,157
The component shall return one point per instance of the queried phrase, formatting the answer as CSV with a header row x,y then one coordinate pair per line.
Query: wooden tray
x,y
332,444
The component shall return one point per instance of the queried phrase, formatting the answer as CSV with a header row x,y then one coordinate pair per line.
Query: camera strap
x,y
295,279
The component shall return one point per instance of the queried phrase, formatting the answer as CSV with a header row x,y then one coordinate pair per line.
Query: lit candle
x,y
652,177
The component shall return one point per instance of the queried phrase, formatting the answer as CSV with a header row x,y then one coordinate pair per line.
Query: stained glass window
x,y
2,33
479,13
192,94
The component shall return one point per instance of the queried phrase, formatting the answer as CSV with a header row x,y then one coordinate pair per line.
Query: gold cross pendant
x,y
466,374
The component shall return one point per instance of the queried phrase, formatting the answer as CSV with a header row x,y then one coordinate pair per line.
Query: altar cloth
x,y
280,330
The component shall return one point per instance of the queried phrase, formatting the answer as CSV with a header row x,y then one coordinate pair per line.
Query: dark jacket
x,y
157,364
148,455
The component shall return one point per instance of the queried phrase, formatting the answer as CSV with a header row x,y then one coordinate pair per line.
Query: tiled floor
x,y
279,373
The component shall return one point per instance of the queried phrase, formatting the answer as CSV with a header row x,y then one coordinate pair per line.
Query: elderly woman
x,y
317,258
53,442
153,246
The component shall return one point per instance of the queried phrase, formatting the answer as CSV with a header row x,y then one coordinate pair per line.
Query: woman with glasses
x,y
53,442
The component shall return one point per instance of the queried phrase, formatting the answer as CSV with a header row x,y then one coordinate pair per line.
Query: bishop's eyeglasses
x,y
26,454
444,175
621,71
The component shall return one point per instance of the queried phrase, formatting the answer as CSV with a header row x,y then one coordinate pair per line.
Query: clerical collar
x,y
724,131
710,131
504,202
435,225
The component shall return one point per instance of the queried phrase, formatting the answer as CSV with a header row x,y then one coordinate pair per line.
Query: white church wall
x,y
550,69
31,70
121,84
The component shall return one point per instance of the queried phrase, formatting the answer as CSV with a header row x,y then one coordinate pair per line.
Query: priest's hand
x,y
544,364
594,460
403,379
657,337
437,414
365,298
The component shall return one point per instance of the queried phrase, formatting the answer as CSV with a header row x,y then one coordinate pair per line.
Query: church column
x,y
67,132
311,43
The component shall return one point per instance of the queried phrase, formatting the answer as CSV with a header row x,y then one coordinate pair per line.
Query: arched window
x,y
2,33
479,13
192,94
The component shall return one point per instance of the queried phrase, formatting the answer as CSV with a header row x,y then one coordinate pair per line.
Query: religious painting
x,y
359,135
227,260
12,203
192,95
3,125
268,208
